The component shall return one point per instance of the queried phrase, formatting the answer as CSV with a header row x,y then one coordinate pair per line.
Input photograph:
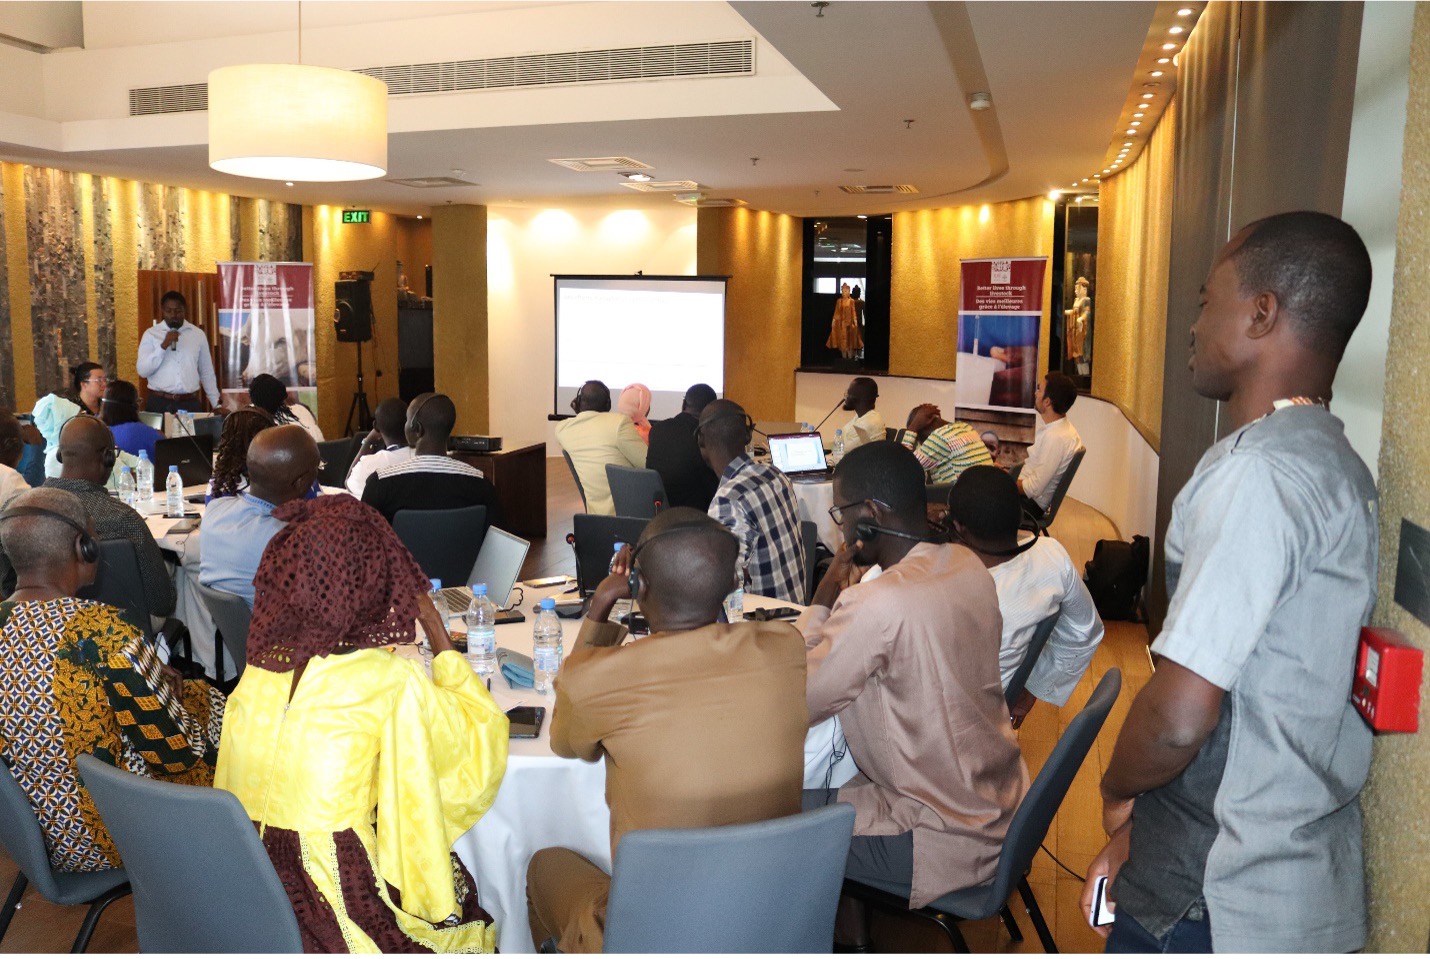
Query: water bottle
x,y
482,632
546,645
837,453
186,422
174,493
735,605
144,476
127,492
611,566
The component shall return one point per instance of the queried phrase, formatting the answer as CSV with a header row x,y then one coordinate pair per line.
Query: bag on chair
x,y
1115,577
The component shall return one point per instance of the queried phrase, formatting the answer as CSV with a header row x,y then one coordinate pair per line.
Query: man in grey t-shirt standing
x,y
1232,798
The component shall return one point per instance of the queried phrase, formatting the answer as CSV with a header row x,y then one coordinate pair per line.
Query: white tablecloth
x,y
814,497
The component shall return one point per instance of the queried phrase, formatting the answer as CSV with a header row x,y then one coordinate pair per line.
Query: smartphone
x,y
547,581
1102,914
774,612
526,721
186,525
505,616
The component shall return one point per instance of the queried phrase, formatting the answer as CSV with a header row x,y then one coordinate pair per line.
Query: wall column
x,y
459,312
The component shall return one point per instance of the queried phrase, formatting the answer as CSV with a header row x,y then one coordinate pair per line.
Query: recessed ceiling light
x,y
1139,115
1054,194
1107,169
1156,73
1185,12
1164,59
1169,46
1176,30
862,217
1136,123
1128,144
1147,96
1132,133
289,183
638,177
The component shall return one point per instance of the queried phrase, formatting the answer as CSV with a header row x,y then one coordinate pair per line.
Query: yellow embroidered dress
x,y
359,787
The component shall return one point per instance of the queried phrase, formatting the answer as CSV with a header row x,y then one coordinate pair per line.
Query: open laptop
x,y
798,454
498,565
194,455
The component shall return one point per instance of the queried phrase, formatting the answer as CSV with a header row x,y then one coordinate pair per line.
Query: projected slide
x,y
667,333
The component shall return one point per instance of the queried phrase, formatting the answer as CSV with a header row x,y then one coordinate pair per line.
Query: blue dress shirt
x,y
235,532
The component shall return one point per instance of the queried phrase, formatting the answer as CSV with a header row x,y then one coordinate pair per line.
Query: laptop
x,y
798,454
498,565
152,420
194,455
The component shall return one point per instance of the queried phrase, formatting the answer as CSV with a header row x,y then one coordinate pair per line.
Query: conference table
x,y
813,497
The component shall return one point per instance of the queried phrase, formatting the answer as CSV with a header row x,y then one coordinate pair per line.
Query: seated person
x,y
756,501
54,410
270,394
994,444
867,426
230,475
361,723
77,677
87,455
12,448
908,660
282,465
702,723
120,412
942,448
430,479
1034,581
635,403
1054,447
595,437
384,445
674,454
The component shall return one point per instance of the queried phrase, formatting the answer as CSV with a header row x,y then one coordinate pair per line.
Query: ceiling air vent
x,y
430,182
704,202
663,186
899,188
182,98
602,164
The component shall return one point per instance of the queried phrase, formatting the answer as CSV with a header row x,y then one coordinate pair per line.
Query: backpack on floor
x,y
1116,575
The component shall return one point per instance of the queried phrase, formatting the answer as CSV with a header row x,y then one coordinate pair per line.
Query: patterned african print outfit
x,y
77,677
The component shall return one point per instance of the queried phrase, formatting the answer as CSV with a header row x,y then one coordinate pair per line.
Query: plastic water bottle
x,y
174,493
837,453
482,632
440,602
127,492
611,566
735,605
144,476
546,645
186,422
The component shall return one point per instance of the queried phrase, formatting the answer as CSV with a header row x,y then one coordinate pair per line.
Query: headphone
x,y
86,545
414,420
111,453
749,424
633,578
868,531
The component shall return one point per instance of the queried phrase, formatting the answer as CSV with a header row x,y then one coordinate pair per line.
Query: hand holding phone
x,y
1102,912
1097,905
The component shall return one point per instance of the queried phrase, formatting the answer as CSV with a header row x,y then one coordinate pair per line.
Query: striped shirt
x,y
948,451
756,501
429,482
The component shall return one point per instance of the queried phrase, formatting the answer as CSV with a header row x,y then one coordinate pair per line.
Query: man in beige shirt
x,y
702,723
908,659
596,437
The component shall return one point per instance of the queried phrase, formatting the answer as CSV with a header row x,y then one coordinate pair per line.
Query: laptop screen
x,y
798,453
499,563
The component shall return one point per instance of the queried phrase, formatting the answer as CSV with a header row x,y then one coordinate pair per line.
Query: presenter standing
x,y
174,359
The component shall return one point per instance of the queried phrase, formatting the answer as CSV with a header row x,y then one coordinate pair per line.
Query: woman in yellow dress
x,y
358,769
844,334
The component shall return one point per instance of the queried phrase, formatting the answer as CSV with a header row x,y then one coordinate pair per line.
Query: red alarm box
x,y
1386,690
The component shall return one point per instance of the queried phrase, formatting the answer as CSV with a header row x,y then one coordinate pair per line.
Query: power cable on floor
x,y
1064,865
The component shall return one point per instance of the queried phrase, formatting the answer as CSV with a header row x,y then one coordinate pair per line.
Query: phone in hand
x,y
1102,913
526,721
774,612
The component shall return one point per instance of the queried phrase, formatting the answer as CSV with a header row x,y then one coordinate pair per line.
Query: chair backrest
x,y
117,582
1030,658
202,880
1035,814
1061,489
231,616
891,434
937,493
577,477
764,887
594,538
21,836
337,455
445,542
636,492
809,534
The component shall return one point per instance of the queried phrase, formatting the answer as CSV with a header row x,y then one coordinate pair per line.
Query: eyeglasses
x,y
836,513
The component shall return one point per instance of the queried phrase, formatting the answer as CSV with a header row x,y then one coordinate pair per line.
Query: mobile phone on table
x,y
1102,914
186,525
547,581
526,721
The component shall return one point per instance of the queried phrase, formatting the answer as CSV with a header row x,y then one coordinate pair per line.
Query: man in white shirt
x,y
595,437
1053,449
12,447
1034,581
174,360
867,426
386,445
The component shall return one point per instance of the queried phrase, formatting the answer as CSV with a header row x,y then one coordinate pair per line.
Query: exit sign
x,y
357,216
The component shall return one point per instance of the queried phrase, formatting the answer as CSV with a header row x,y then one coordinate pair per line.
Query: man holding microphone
x,y
174,359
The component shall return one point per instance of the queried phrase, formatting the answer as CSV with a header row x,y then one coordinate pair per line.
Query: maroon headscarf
x,y
335,578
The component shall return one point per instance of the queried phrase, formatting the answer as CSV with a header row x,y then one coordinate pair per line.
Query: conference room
x,y
713,476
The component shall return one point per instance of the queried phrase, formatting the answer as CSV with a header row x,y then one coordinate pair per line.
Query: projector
x,y
475,444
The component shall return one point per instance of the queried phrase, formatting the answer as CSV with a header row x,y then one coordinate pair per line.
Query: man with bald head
x,y
283,462
756,501
429,478
702,723
596,437
86,456
867,426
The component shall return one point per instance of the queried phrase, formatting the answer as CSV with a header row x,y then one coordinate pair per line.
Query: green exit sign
x,y
357,216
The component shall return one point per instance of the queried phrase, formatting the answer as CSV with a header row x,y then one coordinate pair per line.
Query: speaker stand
x,y
359,407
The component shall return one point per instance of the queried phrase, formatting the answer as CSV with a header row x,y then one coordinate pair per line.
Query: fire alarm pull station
x,y
1386,689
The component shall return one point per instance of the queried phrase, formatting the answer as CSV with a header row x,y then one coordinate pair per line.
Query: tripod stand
x,y
359,405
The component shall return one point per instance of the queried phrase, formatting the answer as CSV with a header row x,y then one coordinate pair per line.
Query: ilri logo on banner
x,y
1002,272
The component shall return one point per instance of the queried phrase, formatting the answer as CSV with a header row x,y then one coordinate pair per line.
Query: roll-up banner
x,y
1000,313
265,317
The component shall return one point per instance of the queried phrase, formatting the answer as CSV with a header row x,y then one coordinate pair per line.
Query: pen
x,y
489,684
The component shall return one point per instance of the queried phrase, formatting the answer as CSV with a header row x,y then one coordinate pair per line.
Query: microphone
x,y
837,404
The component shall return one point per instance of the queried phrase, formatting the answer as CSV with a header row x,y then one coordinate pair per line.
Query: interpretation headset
x,y
868,531
86,545
414,418
633,580
111,453
749,424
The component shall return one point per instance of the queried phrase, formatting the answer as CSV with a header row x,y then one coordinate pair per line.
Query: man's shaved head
x,y
435,413
40,542
686,560
84,442
390,418
724,426
282,463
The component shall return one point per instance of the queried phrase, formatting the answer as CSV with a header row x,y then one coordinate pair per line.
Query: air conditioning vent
x,y
602,164
664,186
717,58
703,202
900,188
430,182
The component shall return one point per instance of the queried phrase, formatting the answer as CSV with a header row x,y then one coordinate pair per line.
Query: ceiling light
x,y
1132,133
861,217
1139,115
1164,60
1147,96
1054,194
980,101
1136,123
1176,30
1127,144
1107,169
289,183
276,121
1156,73
419,216
1169,46
638,177
1185,12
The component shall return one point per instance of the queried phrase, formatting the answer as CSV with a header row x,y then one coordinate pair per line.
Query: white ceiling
x,y
830,96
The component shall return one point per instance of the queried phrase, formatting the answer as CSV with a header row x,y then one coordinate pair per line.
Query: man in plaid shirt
x,y
942,448
756,501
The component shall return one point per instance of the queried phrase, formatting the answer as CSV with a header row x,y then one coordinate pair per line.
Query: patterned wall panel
x,y
280,231
102,266
161,226
58,310
235,227
7,356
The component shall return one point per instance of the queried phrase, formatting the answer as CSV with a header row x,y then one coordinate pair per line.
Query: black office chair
x,y
594,538
1025,834
445,542
231,617
1041,523
937,493
636,492
1030,659
577,477
809,534
118,583
337,457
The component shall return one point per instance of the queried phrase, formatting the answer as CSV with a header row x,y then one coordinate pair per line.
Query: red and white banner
x,y
1000,313
265,318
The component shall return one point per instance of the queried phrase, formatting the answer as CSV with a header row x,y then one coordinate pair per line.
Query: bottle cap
x,y
173,467
618,546
143,454
123,471
436,584
479,589
548,603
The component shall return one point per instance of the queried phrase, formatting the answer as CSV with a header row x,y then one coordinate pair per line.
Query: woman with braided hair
x,y
231,458
357,766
